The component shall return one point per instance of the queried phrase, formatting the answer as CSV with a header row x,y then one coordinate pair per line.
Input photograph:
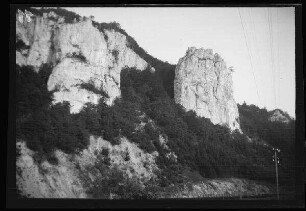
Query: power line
x,y
249,51
250,38
273,62
251,41
278,66
256,41
270,23
249,55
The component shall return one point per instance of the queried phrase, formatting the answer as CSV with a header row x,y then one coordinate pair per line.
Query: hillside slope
x,y
102,110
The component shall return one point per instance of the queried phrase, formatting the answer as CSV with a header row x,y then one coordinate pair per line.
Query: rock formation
x,y
46,180
204,84
278,116
79,54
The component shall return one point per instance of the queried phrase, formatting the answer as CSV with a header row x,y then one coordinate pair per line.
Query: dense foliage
x,y
43,126
255,123
113,183
47,127
208,149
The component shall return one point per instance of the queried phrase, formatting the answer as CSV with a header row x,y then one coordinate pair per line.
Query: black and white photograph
x,y
147,103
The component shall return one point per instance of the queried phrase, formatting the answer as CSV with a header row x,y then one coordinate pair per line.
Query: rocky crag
x,y
79,54
279,116
204,84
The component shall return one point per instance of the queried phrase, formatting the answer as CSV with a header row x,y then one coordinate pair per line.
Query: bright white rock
x,y
204,84
79,53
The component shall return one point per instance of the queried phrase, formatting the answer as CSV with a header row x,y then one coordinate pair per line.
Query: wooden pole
x,y
276,172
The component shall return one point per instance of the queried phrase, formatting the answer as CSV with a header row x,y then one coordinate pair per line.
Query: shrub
x,y
42,126
91,87
78,56
144,141
210,149
115,54
112,181
127,156
31,90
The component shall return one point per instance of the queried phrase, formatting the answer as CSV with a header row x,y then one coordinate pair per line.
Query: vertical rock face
x,y
79,54
204,84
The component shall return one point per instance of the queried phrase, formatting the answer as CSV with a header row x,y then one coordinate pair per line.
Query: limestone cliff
x,y
204,84
79,54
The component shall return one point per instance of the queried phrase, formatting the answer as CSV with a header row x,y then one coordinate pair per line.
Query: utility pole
x,y
276,161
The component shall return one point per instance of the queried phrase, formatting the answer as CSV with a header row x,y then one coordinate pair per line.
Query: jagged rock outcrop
x,y
204,84
79,54
279,116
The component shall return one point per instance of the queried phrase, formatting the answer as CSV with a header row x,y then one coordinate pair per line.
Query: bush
x,y
79,56
112,181
91,87
31,90
209,149
115,54
45,127
144,141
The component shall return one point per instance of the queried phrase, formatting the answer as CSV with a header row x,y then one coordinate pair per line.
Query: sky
x,y
259,43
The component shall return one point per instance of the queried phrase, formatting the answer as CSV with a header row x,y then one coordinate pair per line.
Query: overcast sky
x,y
260,45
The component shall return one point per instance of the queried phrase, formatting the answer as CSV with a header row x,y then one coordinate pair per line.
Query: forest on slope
x,y
211,150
